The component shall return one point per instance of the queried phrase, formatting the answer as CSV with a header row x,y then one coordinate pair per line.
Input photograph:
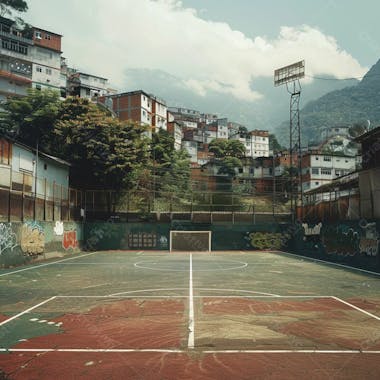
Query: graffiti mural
x,y
70,240
58,228
342,240
8,240
163,242
268,240
369,243
312,231
32,239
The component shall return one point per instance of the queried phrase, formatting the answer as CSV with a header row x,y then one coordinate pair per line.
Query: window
x,y
47,36
48,71
39,69
240,170
325,171
37,35
326,158
315,170
337,173
316,183
45,166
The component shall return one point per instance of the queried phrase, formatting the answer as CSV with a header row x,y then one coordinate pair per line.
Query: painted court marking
x,y
44,265
27,310
355,307
179,351
242,265
190,343
329,263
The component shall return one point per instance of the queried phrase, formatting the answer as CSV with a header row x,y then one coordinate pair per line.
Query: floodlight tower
x,y
291,75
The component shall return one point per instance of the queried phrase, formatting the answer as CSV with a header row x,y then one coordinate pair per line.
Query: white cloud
x,y
106,38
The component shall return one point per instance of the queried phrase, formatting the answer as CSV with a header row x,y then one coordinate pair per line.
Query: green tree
x,y
105,152
9,6
274,145
227,148
170,168
30,119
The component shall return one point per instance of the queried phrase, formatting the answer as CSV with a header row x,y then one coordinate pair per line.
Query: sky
x,y
208,52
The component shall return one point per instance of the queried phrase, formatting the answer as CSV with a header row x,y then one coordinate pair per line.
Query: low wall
x,y
355,243
105,236
26,242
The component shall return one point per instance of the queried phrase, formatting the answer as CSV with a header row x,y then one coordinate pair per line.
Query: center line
x,y
190,343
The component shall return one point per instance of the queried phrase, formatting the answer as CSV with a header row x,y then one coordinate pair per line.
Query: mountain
x,y
265,113
347,106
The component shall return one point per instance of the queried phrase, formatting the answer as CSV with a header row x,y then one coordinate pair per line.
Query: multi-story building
x,y
369,183
320,168
85,85
256,142
138,106
174,128
30,58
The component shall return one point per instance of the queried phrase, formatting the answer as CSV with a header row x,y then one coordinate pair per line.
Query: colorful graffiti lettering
x,y
32,238
268,240
58,229
8,239
70,240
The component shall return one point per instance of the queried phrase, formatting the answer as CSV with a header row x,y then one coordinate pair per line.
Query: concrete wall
x,y
30,241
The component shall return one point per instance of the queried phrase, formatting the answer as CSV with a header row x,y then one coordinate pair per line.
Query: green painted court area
x,y
189,315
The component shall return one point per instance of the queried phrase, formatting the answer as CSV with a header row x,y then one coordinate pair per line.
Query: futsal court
x,y
189,315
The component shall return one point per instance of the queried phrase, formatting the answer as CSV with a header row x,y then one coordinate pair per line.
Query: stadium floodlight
x,y
289,73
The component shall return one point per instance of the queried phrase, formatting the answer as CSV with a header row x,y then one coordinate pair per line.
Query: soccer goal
x,y
190,241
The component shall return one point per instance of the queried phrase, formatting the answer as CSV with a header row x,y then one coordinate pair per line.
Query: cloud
x,y
107,38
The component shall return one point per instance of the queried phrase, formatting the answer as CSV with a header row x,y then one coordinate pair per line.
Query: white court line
x,y
44,265
180,351
209,289
27,311
190,342
357,308
328,262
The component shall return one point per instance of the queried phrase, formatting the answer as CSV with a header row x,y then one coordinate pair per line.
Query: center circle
x,y
180,266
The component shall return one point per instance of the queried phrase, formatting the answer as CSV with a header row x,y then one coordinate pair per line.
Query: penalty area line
x,y
181,351
356,308
44,265
27,310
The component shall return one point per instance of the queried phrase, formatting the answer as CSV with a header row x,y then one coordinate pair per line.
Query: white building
x,y
319,169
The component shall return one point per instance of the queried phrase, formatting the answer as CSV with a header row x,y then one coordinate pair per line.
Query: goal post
x,y
190,241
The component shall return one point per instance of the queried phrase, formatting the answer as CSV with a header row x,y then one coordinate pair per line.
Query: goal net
x,y
190,241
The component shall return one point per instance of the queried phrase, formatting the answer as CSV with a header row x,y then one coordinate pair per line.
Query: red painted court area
x,y
173,317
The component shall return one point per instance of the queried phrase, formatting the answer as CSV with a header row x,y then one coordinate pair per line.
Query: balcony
x,y
16,38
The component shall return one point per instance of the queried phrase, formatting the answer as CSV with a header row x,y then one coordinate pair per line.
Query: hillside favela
x,y
189,190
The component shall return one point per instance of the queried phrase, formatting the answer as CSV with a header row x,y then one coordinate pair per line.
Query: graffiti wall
x,y
353,242
23,242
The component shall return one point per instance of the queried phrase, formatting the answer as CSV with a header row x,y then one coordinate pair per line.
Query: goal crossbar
x,y
189,241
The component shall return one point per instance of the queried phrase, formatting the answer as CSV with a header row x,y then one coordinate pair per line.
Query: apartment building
x,y
174,128
85,85
30,58
321,168
256,142
138,106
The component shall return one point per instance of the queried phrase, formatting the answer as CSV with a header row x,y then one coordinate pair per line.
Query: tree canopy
x,y
227,148
9,6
